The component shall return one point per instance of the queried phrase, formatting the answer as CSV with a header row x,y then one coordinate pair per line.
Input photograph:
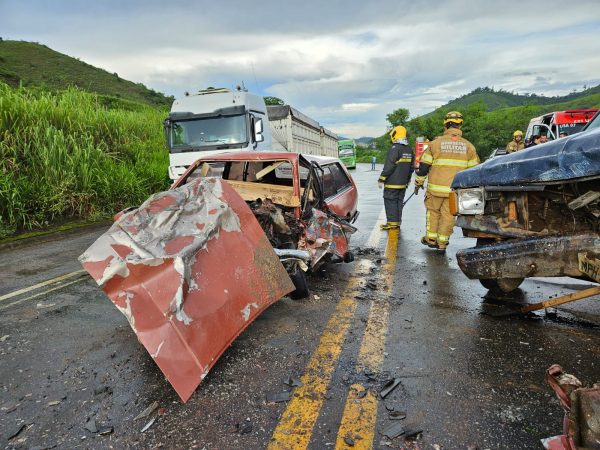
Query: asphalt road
x,y
68,359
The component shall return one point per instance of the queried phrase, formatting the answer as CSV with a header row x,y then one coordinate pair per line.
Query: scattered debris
x,y
90,425
54,402
278,397
16,431
412,434
149,424
245,427
394,430
44,305
104,430
372,285
397,415
389,387
10,408
5,337
292,382
316,297
149,410
348,440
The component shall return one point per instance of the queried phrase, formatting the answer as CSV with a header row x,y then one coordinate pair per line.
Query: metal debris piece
x,y
54,402
104,430
278,397
349,441
397,415
389,407
394,430
149,410
90,425
361,394
245,428
292,382
412,434
389,387
102,389
16,431
149,424
372,285
5,337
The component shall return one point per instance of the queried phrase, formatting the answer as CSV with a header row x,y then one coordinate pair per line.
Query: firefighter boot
x,y
431,243
390,226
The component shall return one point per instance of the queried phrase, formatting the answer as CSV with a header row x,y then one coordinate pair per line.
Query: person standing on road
x,y
445,157
395,177
373,162
517,143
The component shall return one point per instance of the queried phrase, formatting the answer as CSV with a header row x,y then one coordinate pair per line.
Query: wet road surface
x,y
401,311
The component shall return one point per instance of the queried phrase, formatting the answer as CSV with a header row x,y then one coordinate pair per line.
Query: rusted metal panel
x,y
528,257
190,269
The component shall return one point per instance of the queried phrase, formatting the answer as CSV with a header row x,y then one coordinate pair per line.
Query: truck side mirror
x,y
167,132
258,130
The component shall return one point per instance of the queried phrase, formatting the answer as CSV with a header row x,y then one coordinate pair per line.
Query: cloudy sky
x,y
345,63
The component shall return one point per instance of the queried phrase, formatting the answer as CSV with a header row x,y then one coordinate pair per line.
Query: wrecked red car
x,y
193,266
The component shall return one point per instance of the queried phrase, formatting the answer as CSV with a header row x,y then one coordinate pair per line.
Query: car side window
x,y
329,187
341,179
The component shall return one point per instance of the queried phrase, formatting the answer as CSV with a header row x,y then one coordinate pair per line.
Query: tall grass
x,y
72,156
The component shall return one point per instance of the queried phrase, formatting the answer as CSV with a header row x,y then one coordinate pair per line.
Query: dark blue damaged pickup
x,y
535,213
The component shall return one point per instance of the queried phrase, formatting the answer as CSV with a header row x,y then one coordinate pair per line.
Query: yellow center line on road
x,y
3,307
295,427
360,413
42,284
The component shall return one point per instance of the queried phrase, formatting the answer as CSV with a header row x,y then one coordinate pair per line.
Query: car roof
x,y
268,156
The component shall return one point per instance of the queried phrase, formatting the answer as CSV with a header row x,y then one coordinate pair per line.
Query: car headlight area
x,y
470,201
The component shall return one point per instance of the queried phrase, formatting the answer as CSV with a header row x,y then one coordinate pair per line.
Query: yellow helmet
x,y
518,133
454,117
397,132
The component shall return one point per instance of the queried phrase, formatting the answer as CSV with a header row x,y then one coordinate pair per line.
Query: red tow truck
x,y
553,124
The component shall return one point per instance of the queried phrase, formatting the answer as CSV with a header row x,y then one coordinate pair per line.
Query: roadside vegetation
x,y
74,155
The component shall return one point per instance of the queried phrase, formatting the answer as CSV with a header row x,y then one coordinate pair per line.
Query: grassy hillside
x,y
73,155
32,64
502,99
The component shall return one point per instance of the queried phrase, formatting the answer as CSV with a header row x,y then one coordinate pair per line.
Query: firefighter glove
x,y
417,187
380,184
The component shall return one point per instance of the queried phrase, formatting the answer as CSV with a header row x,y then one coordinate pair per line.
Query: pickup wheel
x,y
502,285
298,277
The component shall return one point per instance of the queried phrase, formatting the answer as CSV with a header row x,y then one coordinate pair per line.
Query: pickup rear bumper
x,y
548,256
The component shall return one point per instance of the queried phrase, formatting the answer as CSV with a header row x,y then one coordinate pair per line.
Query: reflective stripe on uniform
x,y
472,162
451,162
401,160
420,179
428,233
381,178
443,239
438,188
427,158
431,235
395,186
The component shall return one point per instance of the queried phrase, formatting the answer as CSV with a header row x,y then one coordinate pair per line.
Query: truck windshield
x,y
207,132
346,151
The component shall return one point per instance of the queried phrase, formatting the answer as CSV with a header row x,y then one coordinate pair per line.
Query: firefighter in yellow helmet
x,y
517,143
445,157
395,177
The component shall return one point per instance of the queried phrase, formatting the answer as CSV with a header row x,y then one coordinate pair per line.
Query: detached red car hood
x,y
190,269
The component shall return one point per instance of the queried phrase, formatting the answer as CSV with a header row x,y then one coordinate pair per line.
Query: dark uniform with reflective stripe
x,y
395,175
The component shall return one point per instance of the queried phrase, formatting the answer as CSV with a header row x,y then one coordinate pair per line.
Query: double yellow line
x,y
294,430
56,283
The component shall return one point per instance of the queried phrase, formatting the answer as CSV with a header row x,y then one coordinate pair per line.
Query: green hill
x,y
502,99
35,65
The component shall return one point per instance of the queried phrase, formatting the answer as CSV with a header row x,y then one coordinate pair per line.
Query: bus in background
x,y
347,153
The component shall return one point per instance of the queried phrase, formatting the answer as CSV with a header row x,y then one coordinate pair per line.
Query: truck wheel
x,y
298,277
502,285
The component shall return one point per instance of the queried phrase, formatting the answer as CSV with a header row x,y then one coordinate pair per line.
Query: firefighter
x,y
444,157
517,143
395,177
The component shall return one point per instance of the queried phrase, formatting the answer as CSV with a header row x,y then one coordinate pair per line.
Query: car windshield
x,y
570,128
208,132
595,123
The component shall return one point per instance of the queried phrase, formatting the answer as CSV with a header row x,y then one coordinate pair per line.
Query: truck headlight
x,y
470,201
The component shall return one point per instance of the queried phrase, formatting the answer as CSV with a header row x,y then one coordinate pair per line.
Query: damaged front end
x,y
532,213
190,269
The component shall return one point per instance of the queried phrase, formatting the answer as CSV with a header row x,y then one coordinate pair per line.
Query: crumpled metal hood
x,y
190,269
577,156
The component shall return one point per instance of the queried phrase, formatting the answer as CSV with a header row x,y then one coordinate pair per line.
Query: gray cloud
x,y
345,63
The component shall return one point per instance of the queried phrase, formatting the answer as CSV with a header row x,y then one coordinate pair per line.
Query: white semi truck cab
x,y
214,121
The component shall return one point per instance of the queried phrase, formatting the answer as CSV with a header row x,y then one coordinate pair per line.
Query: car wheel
x,y
502,285
298,277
